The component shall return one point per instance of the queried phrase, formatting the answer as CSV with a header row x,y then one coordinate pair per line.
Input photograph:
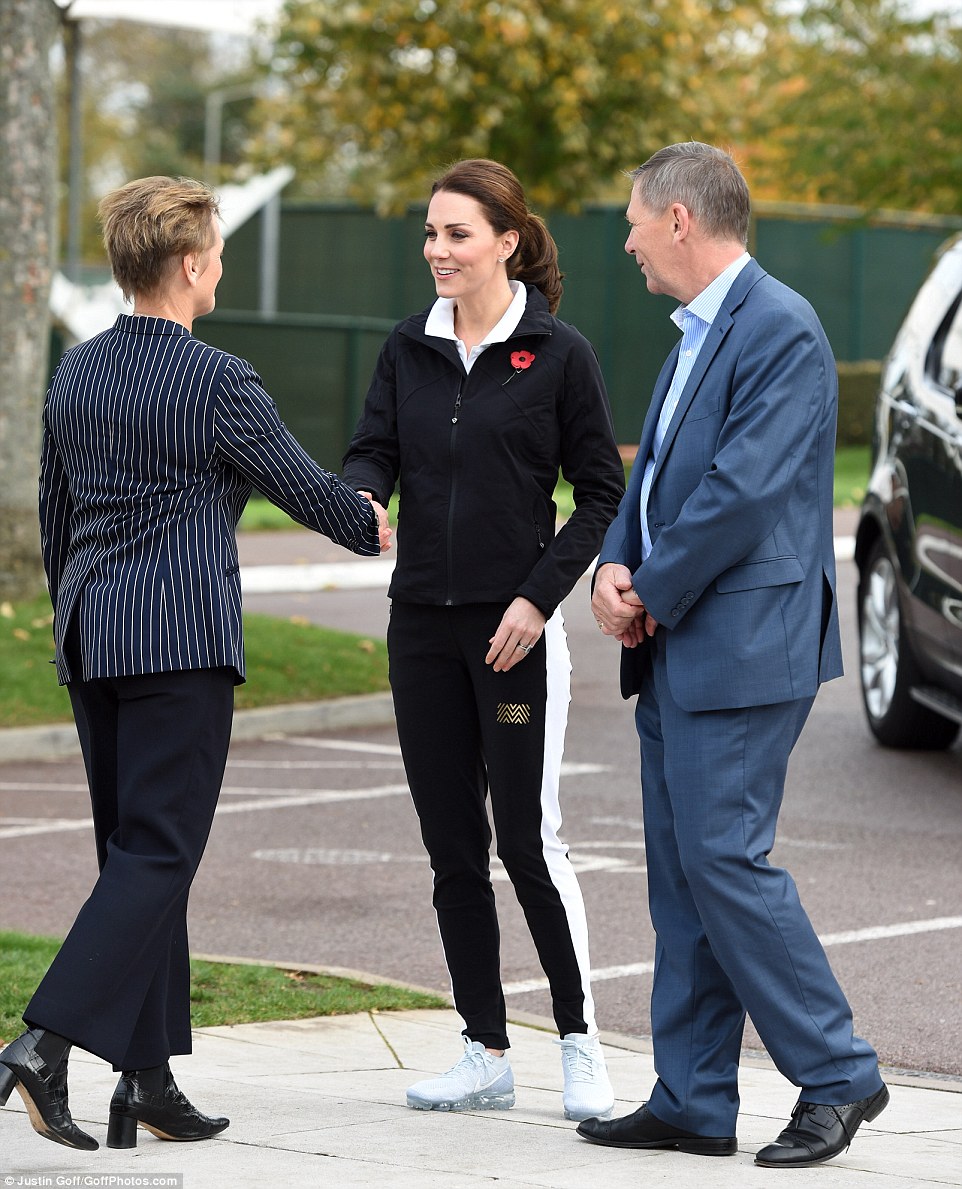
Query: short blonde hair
x,y
150,224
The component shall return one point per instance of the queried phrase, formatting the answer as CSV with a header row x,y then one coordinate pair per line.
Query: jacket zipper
x,y
451,500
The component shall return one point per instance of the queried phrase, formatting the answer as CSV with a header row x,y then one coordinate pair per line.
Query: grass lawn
x,y
851,475
221,993
288,660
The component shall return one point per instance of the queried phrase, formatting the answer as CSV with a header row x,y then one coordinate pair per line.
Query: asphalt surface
x,y
315,855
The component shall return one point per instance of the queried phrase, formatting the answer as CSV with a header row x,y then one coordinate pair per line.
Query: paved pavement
x,y
322,1101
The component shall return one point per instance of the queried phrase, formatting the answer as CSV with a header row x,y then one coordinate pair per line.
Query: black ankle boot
x,y
43,1087
168,1114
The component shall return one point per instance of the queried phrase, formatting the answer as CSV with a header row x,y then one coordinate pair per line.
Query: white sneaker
x,y
587,1093
479,1082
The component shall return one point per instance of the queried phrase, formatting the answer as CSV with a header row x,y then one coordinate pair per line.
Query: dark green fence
x,y
345,276
316,366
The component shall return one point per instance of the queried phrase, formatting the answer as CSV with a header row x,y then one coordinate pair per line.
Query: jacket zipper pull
x,y
457,406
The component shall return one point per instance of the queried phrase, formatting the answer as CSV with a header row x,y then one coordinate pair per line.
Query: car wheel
x,y
887,667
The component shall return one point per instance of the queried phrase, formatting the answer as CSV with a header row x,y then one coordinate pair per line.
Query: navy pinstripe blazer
x,y
152,441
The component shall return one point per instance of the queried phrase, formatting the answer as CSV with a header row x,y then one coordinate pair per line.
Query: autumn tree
x,y
379,94
28,29
858,103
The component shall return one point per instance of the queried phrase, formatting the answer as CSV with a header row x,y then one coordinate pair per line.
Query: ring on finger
x,y
525,648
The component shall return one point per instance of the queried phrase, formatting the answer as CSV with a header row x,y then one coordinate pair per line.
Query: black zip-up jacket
x,y
478,457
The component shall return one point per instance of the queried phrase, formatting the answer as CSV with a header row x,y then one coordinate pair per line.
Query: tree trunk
x,y
27,206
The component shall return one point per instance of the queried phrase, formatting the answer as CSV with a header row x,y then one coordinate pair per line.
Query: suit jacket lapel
x,y
632,498
659,392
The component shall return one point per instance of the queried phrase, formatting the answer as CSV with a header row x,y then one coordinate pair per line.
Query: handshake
x,y
384,530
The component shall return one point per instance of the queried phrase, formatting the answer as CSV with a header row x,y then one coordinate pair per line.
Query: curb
x,y
918,1079
59,741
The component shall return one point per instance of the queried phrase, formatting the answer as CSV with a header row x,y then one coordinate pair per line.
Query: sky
x,y
237,16
232,16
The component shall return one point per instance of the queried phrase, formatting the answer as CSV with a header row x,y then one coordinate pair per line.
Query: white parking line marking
x,y
315,765
934,925
46,826
381,749
30,787
296,797
321,856
261,798
876,933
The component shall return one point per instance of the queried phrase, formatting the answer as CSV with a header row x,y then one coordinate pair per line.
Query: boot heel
x,y
121,1131
8,1079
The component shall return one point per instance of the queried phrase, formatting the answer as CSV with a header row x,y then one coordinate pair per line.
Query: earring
x,y
501,260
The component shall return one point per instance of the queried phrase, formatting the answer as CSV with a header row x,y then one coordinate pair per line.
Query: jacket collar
x,y
534,320
141,324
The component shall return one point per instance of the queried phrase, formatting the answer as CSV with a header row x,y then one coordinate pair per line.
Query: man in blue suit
x,y
718,577
152,443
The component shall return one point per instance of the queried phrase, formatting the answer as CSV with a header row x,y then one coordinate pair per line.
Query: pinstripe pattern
x,y
152,442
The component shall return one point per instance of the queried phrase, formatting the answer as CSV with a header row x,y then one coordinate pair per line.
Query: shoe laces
x,y
476,1060
579,1059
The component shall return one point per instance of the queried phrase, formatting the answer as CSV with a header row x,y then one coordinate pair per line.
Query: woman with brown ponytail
x,y
475,405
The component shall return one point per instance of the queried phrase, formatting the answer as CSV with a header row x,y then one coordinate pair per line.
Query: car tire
x,y
887,667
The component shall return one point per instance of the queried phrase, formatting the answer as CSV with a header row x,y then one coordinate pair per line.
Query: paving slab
x,y
321,1102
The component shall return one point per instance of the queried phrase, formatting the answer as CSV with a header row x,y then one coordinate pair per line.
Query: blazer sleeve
x,y
372,461
56,507
252,437
592,465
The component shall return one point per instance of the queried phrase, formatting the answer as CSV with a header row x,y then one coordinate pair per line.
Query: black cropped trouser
x,y
155,748
466,731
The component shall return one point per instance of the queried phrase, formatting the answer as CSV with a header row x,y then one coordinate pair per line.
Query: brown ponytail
x,y
499,194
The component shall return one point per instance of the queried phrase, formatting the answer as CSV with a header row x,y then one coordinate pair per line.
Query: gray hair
x,y
702,178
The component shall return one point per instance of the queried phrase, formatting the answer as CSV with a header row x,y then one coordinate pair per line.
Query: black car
x,y
909,543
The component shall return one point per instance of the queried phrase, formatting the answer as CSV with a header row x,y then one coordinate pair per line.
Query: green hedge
x,y
858,384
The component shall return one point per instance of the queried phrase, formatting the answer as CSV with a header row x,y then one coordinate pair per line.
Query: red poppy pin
x,y
520,361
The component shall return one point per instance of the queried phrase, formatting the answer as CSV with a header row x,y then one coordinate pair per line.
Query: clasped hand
x,y
617,608
384,530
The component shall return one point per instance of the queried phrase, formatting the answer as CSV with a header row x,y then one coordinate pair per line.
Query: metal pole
x,y
213,118
270,247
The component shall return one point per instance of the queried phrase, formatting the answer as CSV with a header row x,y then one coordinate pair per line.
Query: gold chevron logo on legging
x,y
518,713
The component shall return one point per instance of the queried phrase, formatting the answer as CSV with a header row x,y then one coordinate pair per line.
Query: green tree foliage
x,y
144,92
858,102
379,95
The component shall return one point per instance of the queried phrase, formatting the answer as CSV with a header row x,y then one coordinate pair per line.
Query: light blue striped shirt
x,y
694,321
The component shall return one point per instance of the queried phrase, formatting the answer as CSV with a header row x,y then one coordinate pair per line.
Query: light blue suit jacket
x,y
742,567
152,443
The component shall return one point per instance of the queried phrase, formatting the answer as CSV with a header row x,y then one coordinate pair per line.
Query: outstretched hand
x,y
384,530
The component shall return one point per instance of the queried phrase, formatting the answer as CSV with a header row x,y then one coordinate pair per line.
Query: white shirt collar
x,y
707,304
440,323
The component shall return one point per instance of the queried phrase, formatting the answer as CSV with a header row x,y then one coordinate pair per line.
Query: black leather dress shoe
x,y
168,1115
816,1133
43,1090
643,1130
